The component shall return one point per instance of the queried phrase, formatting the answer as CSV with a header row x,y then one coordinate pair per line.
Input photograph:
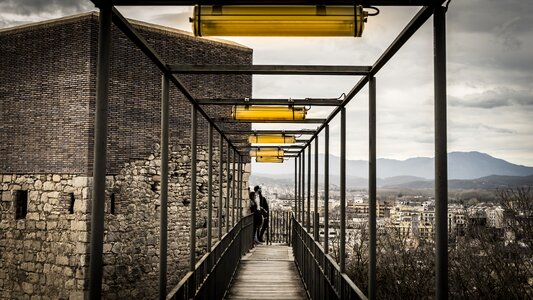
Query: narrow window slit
x,y
112,203
71,205
21,204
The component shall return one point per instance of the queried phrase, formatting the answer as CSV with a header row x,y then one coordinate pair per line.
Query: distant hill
x,y
351,181
488,182
461,165
409,182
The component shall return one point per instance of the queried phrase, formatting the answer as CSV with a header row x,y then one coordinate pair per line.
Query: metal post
x,y
300,183
228,186
100,147
163,200
209,186
309,190
233,180
298,207
372,188
303,188
441,159
295,185
342,246
315,210
220,183
326,189
239,188
192,242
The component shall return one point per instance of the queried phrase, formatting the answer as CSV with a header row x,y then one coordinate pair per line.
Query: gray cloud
x,y
499,97
31,7
480,16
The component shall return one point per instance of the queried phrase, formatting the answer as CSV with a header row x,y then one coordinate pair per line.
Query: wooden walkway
x,y
267,272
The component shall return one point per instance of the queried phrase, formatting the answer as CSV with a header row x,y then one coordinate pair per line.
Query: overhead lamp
x,y
268,159
271,139
268,113
267,152
278,20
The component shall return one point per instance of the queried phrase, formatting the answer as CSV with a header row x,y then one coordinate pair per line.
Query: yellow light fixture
x,y
267,152
278,20
271,139
267,113
268,159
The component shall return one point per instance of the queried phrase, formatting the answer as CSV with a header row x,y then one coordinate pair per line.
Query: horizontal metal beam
x,y
270,69
292,151
277,146
296,102
278,131
271,2
244,140
226,120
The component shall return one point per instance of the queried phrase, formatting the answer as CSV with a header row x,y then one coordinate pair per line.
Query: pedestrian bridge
x,y
293,267
227,271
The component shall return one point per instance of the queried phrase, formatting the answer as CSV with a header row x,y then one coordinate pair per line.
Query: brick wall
x,y
44,98
48,88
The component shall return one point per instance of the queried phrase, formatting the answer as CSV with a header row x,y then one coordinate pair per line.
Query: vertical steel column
x,y
233,180
239,188
342,246
326,190
209,186
163,200
228,186
299,207
100,149
295,185
372,188
309,190
441,153
192,242
220,183
315,210
303,188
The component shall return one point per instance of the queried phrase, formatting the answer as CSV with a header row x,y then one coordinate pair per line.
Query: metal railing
x,y
320,273
214,272
278,230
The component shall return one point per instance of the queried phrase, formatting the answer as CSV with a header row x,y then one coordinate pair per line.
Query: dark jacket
x,y
264,206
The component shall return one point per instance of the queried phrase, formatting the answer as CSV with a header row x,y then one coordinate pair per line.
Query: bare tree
x,y
484,263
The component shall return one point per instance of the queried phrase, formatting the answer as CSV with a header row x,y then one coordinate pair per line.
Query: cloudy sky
x,y
490,74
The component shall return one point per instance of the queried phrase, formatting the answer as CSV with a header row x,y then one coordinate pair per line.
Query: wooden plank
x,y
267,272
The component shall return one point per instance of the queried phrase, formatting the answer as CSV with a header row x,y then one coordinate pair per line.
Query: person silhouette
x,y
264,210
254,209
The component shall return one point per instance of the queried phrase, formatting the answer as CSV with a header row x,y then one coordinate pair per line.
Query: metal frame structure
x,y
298,236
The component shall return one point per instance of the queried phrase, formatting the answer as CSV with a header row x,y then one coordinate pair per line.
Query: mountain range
x,y
465,170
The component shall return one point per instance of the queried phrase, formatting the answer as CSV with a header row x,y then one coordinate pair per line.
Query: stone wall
x,y
46,253
131,247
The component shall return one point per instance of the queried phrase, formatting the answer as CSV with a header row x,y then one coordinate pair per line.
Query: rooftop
x,y
144,25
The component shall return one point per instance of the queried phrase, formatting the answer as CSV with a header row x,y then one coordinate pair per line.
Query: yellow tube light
x,y
276,20
271,139
267,113
268,159
267,152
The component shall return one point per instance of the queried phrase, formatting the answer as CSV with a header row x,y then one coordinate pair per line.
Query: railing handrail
x,y
234,235
189,274
299,230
